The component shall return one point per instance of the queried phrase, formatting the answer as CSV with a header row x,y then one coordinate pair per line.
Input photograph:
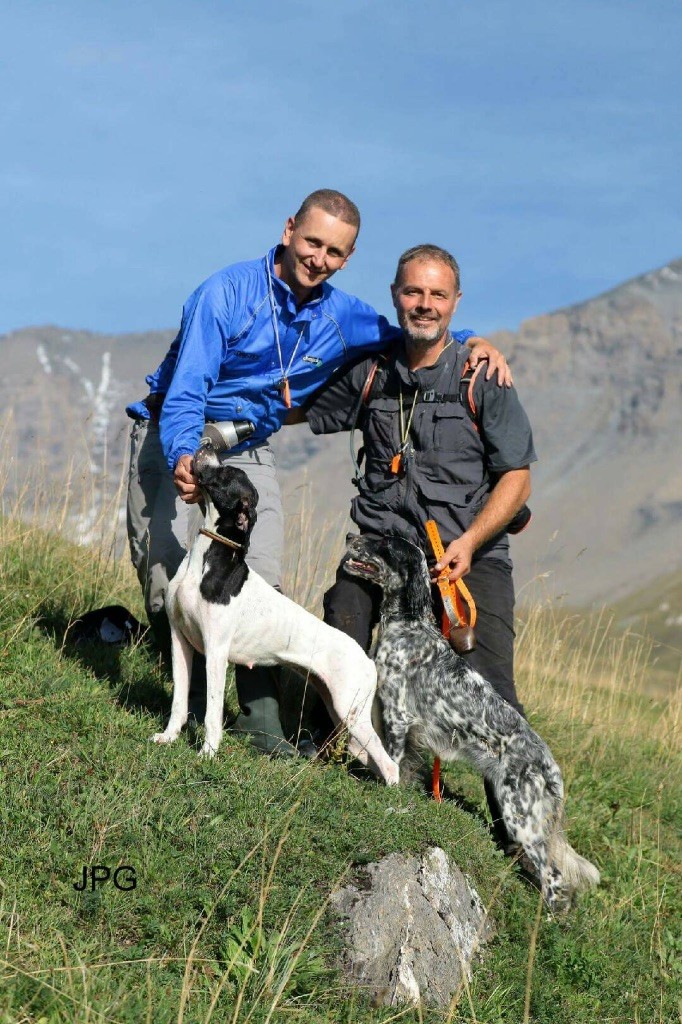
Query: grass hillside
x,y
235,859
655,611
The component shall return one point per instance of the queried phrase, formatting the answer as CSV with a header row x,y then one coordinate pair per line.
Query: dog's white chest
x,y
186,605
244,627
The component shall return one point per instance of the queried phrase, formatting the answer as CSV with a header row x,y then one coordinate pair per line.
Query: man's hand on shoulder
x,y
482,349
185,481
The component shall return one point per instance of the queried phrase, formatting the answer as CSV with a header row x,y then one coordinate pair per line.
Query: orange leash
x,y
453,597
436,784
454,617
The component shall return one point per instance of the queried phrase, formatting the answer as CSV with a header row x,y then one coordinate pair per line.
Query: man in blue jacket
x,y
257,339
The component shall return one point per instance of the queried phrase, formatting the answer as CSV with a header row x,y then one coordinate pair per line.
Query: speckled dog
x,y
433,700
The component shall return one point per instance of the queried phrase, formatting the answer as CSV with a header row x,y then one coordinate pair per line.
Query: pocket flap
x,y
447,493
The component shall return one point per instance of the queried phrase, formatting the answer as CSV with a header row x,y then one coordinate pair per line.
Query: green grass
x,y
236,858
656,612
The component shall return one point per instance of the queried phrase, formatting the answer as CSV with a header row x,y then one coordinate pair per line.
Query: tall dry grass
x,y
579,668
83,503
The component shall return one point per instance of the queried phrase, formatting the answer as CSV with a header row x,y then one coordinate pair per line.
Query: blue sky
x,y
147,144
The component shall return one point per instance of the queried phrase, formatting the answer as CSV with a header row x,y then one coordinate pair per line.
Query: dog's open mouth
x,y
242,516
367,569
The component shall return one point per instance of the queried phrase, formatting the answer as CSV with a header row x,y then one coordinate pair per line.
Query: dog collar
x,y
223,540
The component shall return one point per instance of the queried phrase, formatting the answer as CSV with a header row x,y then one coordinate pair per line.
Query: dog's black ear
x,y
416,585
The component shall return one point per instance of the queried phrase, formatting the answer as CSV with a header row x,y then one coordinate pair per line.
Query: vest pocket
x,y
450,431
441,492
379,484
452,505
382,428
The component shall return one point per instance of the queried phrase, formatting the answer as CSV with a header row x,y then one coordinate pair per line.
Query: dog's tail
x,y
578,873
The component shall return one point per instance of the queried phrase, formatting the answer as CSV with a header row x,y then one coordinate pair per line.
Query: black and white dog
x,y
220,607
432,699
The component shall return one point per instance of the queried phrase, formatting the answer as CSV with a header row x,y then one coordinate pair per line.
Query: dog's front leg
x,y
182,654
352,704
365,745
216,668
395,721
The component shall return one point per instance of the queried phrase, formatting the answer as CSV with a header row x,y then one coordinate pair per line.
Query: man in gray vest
x,y
427,458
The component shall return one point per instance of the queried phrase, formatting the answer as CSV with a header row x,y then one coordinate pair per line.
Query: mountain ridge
x,y
601,380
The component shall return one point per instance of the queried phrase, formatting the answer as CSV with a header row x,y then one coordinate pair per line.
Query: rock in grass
x,y
412,929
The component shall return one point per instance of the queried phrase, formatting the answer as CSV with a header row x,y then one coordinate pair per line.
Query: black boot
x,y
161,633
196,702
259,710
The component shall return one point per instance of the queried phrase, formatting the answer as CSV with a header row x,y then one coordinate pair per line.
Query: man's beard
x,y
422,337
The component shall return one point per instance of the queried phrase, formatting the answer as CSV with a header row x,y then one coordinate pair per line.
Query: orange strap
x,y
453,597
369,383
462,591
468,378
453,615
436,786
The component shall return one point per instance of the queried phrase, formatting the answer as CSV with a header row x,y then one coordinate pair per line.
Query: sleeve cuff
x,y
463,336
137,411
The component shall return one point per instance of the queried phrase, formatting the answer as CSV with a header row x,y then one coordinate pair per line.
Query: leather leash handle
x,y
464,592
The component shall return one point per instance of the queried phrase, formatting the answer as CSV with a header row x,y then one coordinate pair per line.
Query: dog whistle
x,y
395,463
462,639
286,393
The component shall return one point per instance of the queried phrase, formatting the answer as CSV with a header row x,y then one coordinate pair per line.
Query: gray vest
x,y
443,474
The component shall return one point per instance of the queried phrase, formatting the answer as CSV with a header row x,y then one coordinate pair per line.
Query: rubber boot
x,y
322,728
259,711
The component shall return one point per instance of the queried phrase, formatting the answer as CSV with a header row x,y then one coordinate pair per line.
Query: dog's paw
x,y
207,751
164,737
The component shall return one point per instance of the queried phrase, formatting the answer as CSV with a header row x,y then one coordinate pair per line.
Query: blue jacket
x,y
224,363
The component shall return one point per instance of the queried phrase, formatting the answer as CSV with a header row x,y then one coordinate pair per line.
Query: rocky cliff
x,y
602,382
